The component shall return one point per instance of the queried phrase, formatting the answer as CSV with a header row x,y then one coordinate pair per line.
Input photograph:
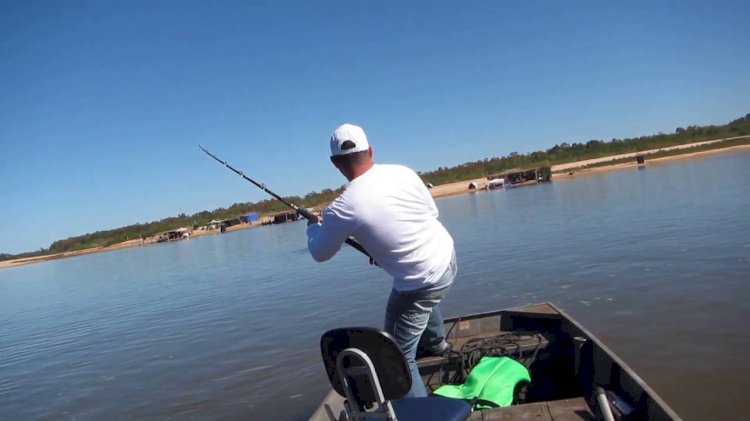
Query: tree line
x,y
595,148
557,154
143,230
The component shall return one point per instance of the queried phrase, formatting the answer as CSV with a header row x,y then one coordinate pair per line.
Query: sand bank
x,y
577,172
37,259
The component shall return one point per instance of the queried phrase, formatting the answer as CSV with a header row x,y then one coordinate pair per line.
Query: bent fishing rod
x,y
304,212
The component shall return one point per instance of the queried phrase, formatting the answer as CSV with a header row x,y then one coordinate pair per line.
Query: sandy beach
x,y
37,259
560,172
577,172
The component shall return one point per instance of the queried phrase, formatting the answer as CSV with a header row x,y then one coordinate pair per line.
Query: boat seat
x,y
366,366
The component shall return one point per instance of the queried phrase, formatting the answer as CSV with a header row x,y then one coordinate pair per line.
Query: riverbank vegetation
x,y
595,148
137,231
558,154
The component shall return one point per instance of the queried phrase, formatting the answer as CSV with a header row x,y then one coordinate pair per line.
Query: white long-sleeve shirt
x,y
391,213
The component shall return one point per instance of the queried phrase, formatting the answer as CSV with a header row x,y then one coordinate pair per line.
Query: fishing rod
x,y
304,212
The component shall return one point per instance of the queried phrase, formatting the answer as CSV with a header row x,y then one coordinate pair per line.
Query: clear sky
x,y
103,103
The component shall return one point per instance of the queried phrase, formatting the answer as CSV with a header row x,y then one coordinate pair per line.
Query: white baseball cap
x,y
352,133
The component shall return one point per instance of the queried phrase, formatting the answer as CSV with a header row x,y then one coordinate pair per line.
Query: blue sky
x,y
103,103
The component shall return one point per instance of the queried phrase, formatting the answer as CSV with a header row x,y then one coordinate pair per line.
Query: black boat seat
x,y
366,366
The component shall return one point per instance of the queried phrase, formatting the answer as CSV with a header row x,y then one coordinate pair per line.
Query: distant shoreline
x,y
572,170
577,169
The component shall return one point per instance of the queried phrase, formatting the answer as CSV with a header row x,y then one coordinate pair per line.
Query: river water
x,y
656,262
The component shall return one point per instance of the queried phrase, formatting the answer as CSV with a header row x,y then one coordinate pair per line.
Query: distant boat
x,y
175,235
496,183
573,375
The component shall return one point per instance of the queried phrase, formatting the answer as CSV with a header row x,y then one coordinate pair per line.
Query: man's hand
x,y
318,218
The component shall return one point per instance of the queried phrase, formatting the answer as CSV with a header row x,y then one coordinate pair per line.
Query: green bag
x,y
494,379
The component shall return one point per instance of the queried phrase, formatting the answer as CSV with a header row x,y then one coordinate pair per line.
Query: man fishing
x,y
390,212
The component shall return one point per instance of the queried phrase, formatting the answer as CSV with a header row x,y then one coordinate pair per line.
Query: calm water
x,y
655,262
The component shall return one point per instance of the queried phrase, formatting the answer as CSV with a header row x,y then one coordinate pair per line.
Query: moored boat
x,y
573,375
496,183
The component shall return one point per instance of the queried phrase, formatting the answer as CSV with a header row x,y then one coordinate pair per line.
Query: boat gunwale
x,y
619,361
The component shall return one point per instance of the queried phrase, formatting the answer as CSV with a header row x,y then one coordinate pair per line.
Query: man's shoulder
x,y
381,177
398,167
395,169
342,206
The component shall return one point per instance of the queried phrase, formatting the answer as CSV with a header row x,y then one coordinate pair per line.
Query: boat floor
x,y
525,345
560,410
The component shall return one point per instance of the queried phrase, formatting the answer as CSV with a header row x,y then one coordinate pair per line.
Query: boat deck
x,y
574,409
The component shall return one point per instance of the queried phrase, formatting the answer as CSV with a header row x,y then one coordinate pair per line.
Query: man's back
x,y
392,214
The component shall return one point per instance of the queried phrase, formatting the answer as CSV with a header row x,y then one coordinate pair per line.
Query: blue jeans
x,y
414,319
